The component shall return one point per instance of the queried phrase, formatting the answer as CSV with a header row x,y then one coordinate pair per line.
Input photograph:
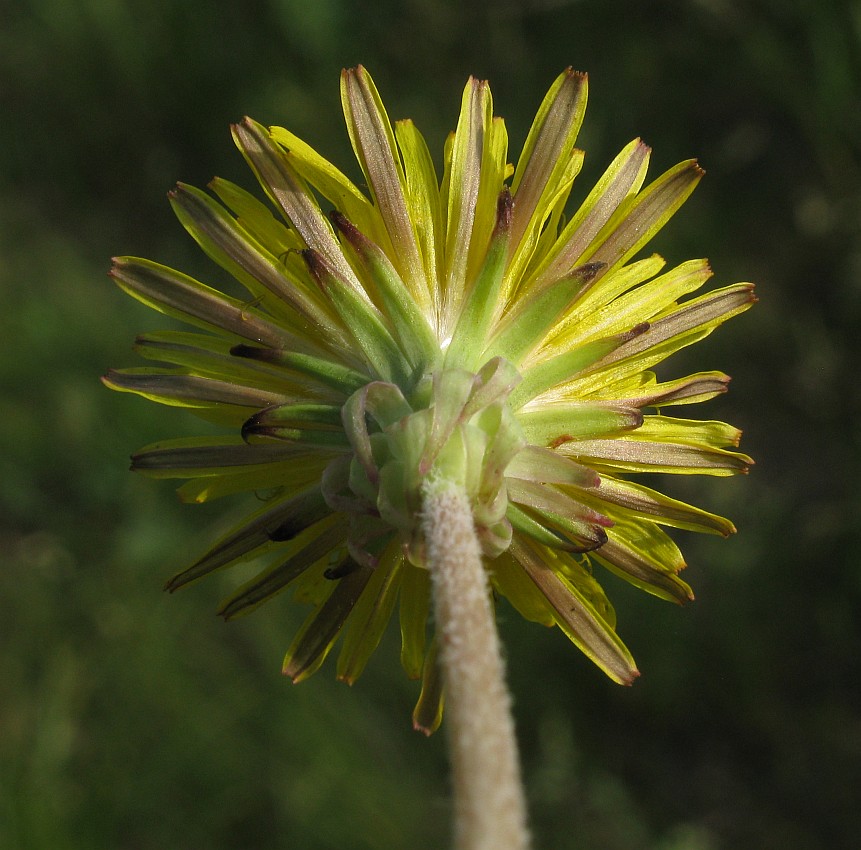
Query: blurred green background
x,y
134,720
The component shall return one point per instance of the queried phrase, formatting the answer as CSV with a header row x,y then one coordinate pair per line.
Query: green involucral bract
x,y
454,327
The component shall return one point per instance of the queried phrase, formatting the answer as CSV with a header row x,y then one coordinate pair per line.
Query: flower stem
x,y
490,809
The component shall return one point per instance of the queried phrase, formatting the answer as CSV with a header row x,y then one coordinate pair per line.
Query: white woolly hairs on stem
x,y
490,810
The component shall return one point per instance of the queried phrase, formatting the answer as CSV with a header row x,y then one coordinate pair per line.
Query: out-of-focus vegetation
x,y
129,719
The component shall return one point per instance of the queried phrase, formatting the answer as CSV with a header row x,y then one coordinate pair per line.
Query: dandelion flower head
x,y
460,326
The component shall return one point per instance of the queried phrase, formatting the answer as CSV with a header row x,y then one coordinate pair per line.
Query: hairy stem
x,y
490,810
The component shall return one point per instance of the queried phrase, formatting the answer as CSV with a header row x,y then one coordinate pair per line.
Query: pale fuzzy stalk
x,y
490,810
